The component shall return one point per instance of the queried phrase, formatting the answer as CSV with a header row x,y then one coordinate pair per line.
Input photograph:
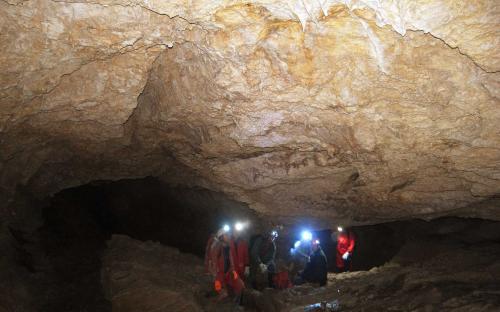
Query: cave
x,y
132,130
78,221
146,209
66,256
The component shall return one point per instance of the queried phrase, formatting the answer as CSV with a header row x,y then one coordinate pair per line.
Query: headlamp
x,y
339,228
297,244
306,236
239,226
226,228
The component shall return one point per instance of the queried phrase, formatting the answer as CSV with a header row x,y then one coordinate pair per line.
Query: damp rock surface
x,y
348,110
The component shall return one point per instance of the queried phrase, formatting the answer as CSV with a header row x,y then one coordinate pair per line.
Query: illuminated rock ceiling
x,y
353,110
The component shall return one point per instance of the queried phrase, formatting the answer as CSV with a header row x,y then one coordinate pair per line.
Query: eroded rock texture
x,y
139,276
455,270
350,110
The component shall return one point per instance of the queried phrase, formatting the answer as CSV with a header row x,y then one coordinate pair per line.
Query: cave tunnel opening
x,y
79,221
378,244
145,209
183,217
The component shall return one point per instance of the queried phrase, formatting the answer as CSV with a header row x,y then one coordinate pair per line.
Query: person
x,y
211,255
227,280
301,252
316,269
242,260
262,256
345,246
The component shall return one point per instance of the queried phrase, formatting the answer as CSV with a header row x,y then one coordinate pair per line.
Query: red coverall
x,y
229,279
241,259
345,242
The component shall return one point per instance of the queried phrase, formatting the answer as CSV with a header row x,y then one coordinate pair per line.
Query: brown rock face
x,y
147,276
340,110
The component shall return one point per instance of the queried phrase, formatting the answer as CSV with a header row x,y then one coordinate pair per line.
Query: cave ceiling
x,y
350,110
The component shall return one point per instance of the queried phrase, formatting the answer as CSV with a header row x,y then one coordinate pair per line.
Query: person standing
x,y
226,279
211,255
262,257
242,260
345,245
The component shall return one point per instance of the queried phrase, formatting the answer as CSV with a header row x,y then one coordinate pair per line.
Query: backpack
x,y
281,280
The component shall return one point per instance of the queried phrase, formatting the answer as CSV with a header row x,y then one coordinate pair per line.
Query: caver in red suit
x,y
345,244
241,260
227,276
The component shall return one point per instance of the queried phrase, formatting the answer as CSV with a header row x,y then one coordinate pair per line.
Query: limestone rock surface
x,y
146,276
342,110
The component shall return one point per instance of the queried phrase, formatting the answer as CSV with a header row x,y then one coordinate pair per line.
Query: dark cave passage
x,y
379,243
146,209
79,221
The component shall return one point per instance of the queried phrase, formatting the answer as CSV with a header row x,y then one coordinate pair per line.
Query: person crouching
x,y
316,269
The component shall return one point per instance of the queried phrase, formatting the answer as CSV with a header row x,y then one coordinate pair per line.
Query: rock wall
x,y
138,276
356,111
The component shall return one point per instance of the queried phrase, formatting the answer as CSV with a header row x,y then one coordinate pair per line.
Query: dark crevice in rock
x,y
131,5
402,185
457,48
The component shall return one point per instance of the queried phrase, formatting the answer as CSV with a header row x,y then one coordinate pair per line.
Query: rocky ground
x,y
436,275
465,280
146,276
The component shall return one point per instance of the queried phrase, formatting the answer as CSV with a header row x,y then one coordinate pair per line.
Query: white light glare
x,y
306,235
339,228
316,241
226,228
238,226
297,244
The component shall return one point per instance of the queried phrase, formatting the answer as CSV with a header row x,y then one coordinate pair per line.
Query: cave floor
x,y
424,276
426,287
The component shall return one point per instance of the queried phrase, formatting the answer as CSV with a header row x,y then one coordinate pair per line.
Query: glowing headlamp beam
x,y
239,226
306,235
